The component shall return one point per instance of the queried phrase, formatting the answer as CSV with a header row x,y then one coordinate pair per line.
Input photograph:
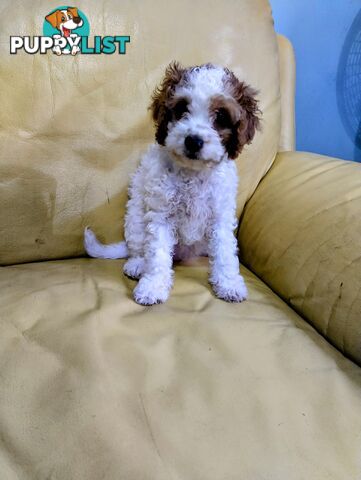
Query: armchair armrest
x,y
301,233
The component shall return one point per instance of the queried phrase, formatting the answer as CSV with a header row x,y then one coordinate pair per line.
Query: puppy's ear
x,y
73,11
249,103
245,129
161,113
53,19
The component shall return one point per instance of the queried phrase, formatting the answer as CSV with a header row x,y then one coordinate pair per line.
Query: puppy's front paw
x,y
134,267
149,292
230,289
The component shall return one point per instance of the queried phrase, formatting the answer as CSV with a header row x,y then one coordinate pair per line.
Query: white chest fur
x,y
188,201
191,208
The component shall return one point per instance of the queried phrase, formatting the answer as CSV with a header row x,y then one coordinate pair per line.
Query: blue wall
x,y
326,35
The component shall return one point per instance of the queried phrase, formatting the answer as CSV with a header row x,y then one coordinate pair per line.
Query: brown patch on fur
x,y
161,98
219,102
244,129
225,113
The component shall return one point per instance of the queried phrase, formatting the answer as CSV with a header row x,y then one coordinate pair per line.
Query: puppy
x,y
65,21
182,197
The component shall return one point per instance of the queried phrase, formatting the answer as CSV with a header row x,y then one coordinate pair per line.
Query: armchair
x,y
93,386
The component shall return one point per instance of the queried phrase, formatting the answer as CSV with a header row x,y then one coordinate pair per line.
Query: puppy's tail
x,y
98,250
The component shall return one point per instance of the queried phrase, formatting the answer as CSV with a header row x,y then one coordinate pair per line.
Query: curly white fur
x,y
180,207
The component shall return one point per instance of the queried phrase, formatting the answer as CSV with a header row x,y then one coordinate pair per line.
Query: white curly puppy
x,y
182,197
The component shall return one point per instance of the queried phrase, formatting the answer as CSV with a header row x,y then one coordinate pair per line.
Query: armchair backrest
x,y
287,85
73,127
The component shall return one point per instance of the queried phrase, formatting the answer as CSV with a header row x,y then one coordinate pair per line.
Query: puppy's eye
x,y
70,17
180,109
63,19
223,120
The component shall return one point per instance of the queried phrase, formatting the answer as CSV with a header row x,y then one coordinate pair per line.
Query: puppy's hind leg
x,y
134,267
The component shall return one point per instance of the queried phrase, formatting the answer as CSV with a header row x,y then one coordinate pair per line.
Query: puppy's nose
x,y
76,20
193,144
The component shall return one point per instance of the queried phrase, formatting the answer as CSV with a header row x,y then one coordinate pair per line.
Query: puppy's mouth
x,y
191,155
66,32
192,162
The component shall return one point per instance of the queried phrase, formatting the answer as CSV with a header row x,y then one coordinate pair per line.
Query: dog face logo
x,y
68,23
65,20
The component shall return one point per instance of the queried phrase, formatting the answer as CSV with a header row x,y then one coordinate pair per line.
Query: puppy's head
x,y
65,20
203,114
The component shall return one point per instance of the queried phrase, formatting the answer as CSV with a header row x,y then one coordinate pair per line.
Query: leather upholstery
x,y
287,83
94,386
301,234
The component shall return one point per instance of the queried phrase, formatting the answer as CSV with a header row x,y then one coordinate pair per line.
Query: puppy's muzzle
x,y
193,145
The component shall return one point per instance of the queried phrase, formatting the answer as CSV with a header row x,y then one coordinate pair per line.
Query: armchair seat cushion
x,y
94,386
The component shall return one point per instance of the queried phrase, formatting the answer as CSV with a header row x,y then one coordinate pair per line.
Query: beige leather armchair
x,y
93,386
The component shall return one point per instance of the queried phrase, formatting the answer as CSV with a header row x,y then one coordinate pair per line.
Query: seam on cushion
x,y
318,174
328,321
347,201
348,315
301,314
311,284
297,175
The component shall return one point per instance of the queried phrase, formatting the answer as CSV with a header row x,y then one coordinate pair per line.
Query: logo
x,y
66,32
